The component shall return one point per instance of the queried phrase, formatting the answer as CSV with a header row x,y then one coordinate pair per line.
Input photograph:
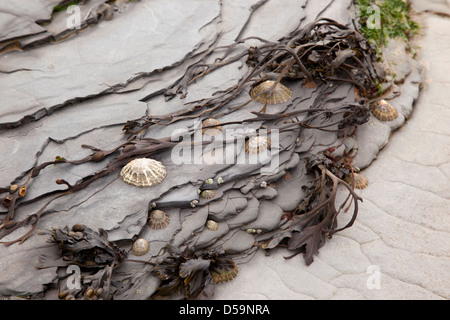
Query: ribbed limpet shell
x,y
357,180
140,247
213,131
384,111
257,144
221,276
261,93
207,194
158,219
143,172
212,225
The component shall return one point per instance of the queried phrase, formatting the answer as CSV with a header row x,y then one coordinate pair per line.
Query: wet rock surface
x,y
64,94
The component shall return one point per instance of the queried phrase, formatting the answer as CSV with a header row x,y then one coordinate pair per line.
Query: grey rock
x,y
269,217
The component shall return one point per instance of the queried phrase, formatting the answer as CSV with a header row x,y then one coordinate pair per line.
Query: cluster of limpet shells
x,y
143,172
384,111
262,92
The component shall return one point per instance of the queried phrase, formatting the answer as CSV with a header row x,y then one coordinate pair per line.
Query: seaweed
x,y
394,20
190,273
92,252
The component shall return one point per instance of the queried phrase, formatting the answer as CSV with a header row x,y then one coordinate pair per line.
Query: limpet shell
x,y
261,93
140,247
212,225
257,144
384,111
207,194
221,276
158,219
143,172
213,131
357,180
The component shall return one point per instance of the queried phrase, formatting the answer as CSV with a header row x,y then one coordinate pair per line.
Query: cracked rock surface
x,y
67,88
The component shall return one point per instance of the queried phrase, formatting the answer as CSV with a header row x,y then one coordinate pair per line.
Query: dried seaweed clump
x,y
92,253
191,274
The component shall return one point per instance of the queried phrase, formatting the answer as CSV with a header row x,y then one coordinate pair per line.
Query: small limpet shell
x,y
384,111
221,276
213,131
158,219
207,194
357,180
257,144
212,225
261,93
140,247
143,172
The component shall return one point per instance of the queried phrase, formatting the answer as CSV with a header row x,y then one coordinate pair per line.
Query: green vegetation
x,y
383,19
64,5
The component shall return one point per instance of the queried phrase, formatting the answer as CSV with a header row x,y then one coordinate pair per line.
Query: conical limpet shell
x,y
357,180
384,111
257,144
158,219
140,247
213,131
221,276
143,172
212,225
207,194
261,93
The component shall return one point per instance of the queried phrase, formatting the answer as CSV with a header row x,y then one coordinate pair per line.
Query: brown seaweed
x,y
190,273
92,252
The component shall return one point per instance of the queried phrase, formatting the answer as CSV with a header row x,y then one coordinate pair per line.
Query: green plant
x,y
64,5
385,19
